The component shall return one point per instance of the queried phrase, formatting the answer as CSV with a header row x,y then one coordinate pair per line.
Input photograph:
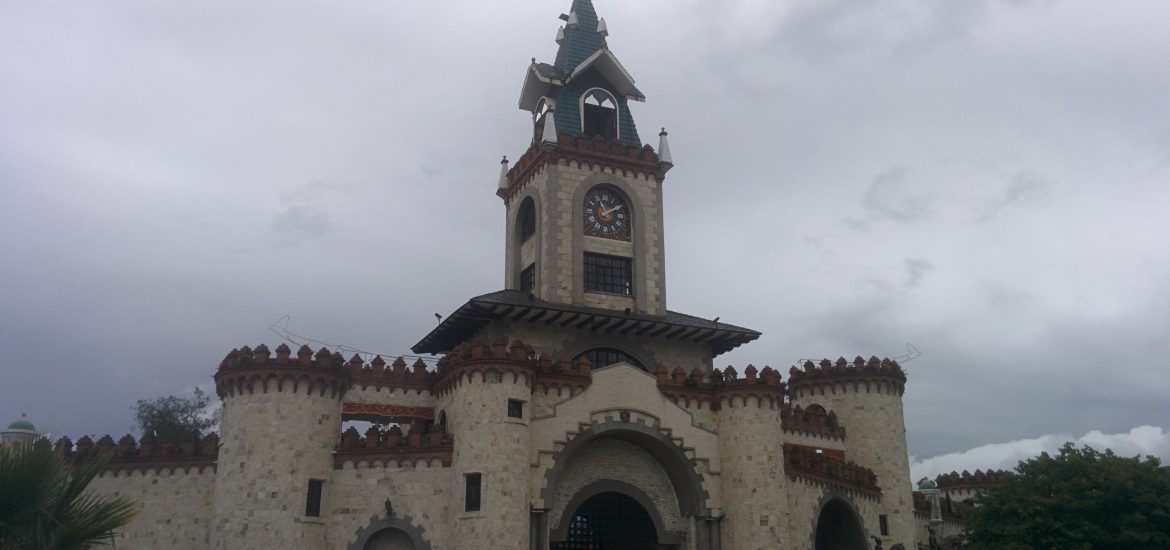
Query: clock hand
x,y
611,210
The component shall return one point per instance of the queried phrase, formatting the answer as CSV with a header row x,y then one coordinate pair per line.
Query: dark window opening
x,y
472,492
608,274
443,420
527,219
515,408
528,278
599,116
313,500
884,524
604,357
538,117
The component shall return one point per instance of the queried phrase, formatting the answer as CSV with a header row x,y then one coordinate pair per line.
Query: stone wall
x,y
805,500
174,506
421,493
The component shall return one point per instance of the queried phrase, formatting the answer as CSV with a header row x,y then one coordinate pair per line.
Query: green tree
x,y
174,418
44,505
1079,499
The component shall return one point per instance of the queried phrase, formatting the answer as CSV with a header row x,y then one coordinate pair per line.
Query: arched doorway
x,y
838,528
390,539
610,521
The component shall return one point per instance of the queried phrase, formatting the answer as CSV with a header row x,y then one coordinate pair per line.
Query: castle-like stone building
x,y
570,410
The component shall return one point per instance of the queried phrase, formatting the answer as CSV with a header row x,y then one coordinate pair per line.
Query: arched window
x,y
538,115
443,419
599,114
604,357
526,219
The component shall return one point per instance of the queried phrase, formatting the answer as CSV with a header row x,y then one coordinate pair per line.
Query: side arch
x,y
834,502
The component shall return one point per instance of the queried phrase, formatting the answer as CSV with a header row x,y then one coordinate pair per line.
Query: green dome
x,y
926,485
22,424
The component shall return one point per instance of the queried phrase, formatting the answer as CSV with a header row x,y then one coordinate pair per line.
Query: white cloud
x,y
1142,440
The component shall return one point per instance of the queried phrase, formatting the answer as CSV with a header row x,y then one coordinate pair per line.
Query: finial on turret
x,y
601,28
560,37
503,184
664,149
548,137
572,21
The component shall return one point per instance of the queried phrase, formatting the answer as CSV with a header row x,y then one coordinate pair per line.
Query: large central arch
x,y
611,515
679,475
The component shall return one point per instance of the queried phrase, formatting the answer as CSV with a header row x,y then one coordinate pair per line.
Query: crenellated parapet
x,y
495,362
387,447
586,150
148,455
813,421
563,374
872,376
721,387
949,510
976,481
376,374
247,370
830,469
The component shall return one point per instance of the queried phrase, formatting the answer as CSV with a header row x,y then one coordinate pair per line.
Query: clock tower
x,y
585,268
584,203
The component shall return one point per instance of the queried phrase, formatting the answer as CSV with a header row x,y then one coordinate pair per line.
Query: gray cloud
x,y
157,165
891,196
1024,189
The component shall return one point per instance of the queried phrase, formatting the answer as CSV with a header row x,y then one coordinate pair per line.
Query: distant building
x,y
570,410
943,505
19,432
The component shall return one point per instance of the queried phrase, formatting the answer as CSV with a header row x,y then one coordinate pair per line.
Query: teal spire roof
x,y
583,63
582,40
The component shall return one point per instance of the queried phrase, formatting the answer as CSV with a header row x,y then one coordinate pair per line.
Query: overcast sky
x,y
988,180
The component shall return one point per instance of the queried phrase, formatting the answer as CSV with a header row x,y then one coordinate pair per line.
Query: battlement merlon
x,y
884,372
149,454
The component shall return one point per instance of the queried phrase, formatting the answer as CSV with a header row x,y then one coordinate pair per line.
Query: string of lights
x,y
280,328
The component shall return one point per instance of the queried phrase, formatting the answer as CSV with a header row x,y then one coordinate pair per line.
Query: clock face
x,y
606,215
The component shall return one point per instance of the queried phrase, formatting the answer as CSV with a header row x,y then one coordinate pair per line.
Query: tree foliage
x,y
1079,499
173,418
44,505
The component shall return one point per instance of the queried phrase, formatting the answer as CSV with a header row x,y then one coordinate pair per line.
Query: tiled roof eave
x,y
477,313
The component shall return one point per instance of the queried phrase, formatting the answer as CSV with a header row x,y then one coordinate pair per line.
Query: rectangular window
x,y
313,500
608,274
528,278
884,523
515,408
472,492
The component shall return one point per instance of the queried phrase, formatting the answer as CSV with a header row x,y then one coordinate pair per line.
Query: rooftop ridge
x,y
721,385
813,420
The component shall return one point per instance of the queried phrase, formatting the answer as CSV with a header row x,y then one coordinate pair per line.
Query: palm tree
x,y
44,505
